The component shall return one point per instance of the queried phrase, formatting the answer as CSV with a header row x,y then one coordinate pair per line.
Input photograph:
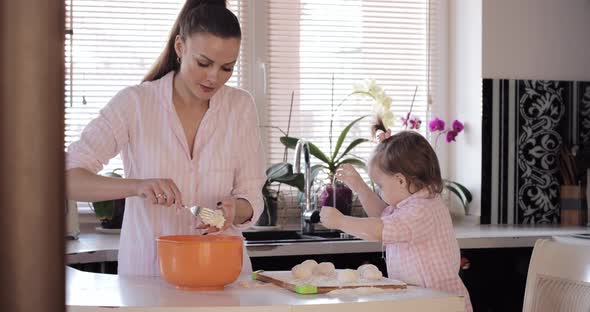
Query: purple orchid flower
x,y
457,126
436,124
415,123
451,135
405,120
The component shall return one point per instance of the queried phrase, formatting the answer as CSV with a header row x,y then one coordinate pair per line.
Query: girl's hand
x,y
331,217
228,207
160,192
347,174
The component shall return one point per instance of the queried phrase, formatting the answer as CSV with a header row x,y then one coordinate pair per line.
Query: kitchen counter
x,y
103,292
94,247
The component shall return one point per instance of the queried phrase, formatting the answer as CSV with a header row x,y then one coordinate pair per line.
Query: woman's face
x,y
207,62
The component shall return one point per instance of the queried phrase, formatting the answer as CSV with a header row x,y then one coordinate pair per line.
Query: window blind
x,y
311,41
111,44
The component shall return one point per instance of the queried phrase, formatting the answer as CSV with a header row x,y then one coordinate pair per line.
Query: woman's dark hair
x,y
410,154
196,16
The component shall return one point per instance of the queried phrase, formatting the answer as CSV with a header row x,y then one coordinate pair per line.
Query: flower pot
x,y
110,213
453,203
269,214
343,197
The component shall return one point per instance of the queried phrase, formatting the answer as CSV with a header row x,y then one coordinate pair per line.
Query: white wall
x,y
465,77
536,39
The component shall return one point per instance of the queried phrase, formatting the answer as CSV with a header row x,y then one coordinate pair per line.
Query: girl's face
x,y
207,62
393,187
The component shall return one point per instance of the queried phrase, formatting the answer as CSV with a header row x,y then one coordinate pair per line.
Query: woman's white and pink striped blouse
x,y
140,122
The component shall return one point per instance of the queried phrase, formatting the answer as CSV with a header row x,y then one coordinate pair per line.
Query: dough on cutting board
x,y
309,263
302,271
371,275
370,272
324,268
348,276
367,267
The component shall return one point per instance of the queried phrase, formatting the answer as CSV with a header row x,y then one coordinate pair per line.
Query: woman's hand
x,y
160,192
331,217
347,174
228,207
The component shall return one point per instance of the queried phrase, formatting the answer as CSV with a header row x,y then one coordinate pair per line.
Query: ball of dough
x,y
324,268
310,264
371,275
370,272
301,272
364,267
348,276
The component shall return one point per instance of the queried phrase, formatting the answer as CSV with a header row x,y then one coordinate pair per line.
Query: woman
x,y
185,138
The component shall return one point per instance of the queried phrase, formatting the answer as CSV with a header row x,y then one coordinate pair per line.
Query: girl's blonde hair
x,y
410,154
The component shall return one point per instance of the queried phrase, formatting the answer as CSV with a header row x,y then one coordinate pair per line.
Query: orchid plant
x,y
334,158
438,125
337,153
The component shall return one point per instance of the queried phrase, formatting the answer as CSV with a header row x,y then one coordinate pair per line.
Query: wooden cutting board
x,y
285,280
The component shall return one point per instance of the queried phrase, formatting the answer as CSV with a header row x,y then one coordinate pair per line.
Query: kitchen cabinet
x,y
496,278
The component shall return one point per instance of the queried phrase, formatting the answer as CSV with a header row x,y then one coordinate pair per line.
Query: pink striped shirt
x,y
421,245
141,123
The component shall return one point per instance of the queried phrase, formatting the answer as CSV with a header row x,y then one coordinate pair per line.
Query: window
x,y
111,44
311,41
288,46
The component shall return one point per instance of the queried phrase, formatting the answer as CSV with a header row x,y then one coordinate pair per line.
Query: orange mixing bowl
x,y
200,262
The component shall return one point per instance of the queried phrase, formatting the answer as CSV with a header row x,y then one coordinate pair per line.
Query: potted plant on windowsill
x,y
334,158
462,193
110,212
279,173
437,125
330,164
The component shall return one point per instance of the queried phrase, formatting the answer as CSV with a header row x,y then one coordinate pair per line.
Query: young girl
x,y
410,217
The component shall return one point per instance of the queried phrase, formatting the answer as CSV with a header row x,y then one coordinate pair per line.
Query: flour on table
x,y
359,291
252,284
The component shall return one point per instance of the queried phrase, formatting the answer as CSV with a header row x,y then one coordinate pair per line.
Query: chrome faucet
x,y
309,214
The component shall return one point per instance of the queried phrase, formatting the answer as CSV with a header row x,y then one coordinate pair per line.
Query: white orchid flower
x,y
384,101
388,119
381,102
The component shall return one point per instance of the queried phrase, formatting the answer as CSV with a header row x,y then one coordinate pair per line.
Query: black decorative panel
x,y
525,123
541,107
584,114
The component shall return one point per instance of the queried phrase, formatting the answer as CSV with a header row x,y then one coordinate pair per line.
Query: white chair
x,y
558,277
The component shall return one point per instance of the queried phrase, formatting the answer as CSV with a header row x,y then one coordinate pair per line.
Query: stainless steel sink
x,y
268,237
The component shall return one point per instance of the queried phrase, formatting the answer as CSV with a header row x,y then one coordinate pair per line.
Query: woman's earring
x,y
178,59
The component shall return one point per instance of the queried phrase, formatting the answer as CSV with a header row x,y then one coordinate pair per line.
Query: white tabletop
x,y
101,292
